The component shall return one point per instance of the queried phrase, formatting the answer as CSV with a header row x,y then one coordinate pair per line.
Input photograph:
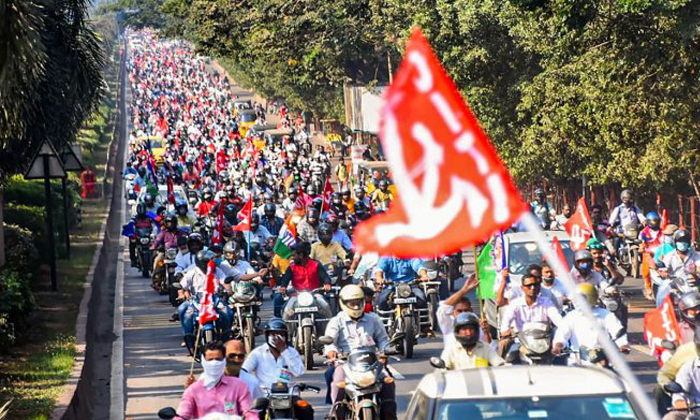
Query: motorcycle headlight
x,y
403,290
611,305
171,253
145,240
363,379
305,299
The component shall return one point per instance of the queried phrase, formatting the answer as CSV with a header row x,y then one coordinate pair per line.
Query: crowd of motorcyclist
x,y
356,310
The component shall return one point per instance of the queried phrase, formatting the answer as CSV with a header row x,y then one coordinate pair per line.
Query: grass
x,y
33,373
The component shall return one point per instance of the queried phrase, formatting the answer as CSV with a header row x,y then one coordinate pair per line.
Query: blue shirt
x,y
343,239
400,270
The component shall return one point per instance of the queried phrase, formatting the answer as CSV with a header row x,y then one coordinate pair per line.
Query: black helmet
x,y
230,191
337,198
230,212
682,235
207,192
275,325
202,259
195,237
313,213
582,255
171,221
383,184
466,319
140,209
148,199
270,209
254,221
360,208
324,229
688,301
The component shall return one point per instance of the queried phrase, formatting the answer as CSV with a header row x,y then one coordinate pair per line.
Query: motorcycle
x,y
244,301
164,274
169,413
281,400
209,331
309,313
404,319
431,289
363,383
450,266
144,255
628,253
692,408
533,345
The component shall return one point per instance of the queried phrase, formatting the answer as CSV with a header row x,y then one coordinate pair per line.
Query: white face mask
x,y
213,371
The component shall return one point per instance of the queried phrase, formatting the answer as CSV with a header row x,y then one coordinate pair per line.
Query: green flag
x,y
150,188
486,271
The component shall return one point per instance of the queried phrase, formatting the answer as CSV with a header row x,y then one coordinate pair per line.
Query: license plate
x,y
307,309
399,301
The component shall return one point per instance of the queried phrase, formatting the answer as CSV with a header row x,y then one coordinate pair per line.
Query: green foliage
x,y
20,252
16,302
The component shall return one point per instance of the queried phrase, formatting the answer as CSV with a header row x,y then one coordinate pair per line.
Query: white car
x,y
523,392
162,197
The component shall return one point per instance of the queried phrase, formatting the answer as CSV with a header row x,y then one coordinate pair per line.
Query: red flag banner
x,y
661,324
327,194
579,226
220,161
207,313
171,190
218,235
244,217
453,190
664,219
556,247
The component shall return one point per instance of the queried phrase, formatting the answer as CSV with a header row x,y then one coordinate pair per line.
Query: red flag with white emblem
x,y
244,217
207,312
556,247
218,234
579,226
171,190
327,194
660,324
452,188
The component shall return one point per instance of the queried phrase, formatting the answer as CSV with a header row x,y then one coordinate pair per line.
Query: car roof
x,y
279,132
246,111
520,381
520,237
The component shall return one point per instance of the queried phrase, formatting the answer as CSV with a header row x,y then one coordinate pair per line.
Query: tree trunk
x,y
2,227
694,184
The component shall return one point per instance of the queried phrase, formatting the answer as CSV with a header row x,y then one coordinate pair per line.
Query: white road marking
x,y
394,372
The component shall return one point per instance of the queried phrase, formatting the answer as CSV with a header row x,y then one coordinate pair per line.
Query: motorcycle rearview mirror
x,y
668,345
326,340
260,404
437,363
177,285
673,388
167,413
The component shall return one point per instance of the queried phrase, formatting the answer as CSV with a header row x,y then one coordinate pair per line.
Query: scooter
x,y
533,345
244,303
282,400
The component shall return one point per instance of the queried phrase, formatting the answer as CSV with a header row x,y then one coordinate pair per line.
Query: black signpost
x,y
47,165
71,163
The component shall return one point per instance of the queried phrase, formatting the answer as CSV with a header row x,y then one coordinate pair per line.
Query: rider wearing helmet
x,y
471,352
577,329
361,195
583,270
274,360
339,235
141,222
326,251
270,219
184,219
150,202
626,213
306,228
207,203
185,257
336,206
258,233
194,283
354,330
689,308
651,239
236,269
682,263
166,239
382,197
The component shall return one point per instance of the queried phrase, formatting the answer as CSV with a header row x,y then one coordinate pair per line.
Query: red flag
x,y
171,190
327,194
664,219
218,235
661,324
453,190
220,161
579,226
244,217
556,247
207,313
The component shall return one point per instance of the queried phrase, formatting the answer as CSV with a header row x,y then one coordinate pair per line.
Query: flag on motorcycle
x,y
661,324
579,226
244,217
218,235
453,190
327,194
207,312
171,190
559,251
286,239
220,161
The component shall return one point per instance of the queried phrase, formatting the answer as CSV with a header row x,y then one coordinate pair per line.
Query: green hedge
x,y
16,302
20,251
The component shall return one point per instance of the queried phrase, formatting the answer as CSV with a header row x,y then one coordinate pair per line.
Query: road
x,y
155,365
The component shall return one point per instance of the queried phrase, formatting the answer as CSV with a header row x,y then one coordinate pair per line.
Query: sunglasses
x,y
234,356
532,285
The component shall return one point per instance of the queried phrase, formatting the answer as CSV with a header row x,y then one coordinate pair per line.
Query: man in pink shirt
x,y
214,392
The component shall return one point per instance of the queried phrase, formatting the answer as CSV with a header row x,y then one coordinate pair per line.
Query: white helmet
x,y
352,301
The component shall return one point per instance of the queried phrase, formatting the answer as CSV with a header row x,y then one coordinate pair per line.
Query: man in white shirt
x,y
554,286
274,361
688,377
451,307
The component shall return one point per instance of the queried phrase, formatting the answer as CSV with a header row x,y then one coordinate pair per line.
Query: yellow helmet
x,y
589,292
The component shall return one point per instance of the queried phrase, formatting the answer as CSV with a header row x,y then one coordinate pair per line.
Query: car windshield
x,y
248,117
550,408
522,254
156,144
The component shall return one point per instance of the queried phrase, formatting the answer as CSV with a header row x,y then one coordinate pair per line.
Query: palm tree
x,y
51,80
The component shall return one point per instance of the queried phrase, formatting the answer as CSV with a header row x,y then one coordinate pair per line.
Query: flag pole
x,y
196,343
478,285
609,347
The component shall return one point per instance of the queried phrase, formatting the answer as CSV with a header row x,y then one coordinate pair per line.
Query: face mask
x,y
213,371
682,247
584,268
599,260
548,280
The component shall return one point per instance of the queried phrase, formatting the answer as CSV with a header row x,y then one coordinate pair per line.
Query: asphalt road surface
x,y
155,365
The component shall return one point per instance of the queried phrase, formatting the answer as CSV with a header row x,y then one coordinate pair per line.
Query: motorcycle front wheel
x,y
308,348
408,329
634,263
249,335
432,312
367,413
